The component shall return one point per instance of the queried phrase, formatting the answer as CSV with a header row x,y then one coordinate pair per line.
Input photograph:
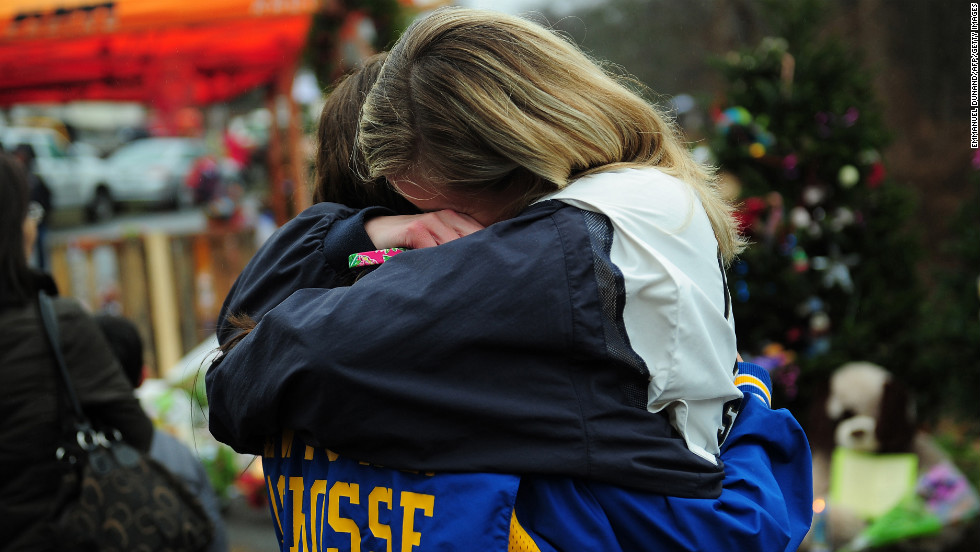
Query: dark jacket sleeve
x,y
310,251
453,358
105,394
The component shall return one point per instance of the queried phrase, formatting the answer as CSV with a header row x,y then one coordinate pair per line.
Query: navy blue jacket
x,y
489,353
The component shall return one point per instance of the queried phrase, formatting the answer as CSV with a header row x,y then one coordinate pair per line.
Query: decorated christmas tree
x,y
830,276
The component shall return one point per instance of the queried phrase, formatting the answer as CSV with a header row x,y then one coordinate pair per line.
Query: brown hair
x,y
16,280
339,164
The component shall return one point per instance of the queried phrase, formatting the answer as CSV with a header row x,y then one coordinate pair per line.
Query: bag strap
x,y
50,325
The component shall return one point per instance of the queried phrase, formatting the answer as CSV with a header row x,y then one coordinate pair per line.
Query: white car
x,y
151,171
72,172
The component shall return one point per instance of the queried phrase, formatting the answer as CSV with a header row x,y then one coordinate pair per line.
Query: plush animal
x,y
865,408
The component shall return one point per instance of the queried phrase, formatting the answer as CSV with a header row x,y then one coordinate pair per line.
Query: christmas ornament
x,y
836,268
819,322
800,261
799,217
775,200
848,176
819,346
734,116
814,194
788,244
703,154
741,291
843,217
869,156
750,213
811,305
791,169
815,230
850,116
876,175
790,161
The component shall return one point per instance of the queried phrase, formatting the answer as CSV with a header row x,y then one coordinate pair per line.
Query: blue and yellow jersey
x,y
321,501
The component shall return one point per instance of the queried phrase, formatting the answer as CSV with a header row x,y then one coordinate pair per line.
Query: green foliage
x,y
949,370
321,54
831,275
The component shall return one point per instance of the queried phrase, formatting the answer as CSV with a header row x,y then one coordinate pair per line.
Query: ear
x,y
820,428
895,428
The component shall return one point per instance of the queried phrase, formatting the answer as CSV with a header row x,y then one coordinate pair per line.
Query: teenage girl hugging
x,y
568,347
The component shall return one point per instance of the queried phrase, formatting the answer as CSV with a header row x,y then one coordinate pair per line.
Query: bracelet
x,y
370,258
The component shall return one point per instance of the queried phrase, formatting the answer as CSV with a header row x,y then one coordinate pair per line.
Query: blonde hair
x,y
479,101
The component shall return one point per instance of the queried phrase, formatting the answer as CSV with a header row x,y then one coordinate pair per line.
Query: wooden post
x,y
286,159
163,302
206,303
297,162
277,191
132,270
59,268
184,278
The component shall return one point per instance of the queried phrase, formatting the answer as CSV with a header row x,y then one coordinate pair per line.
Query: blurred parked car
x,y
72,172
149,171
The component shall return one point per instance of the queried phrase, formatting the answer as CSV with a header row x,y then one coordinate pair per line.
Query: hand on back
x,y
418,231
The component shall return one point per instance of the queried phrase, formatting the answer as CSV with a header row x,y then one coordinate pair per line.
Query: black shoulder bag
x,y
114,497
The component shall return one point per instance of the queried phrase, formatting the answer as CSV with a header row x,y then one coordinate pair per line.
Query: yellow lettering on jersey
x,y
317,491
299,525
410,502
344,525
275,505
331,455
378,529
287,444
308,455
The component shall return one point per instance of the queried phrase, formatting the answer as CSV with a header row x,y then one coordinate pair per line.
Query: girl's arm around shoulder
x,y
453,358
420,338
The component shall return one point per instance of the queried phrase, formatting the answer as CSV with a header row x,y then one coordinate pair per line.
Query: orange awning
x,y
168,52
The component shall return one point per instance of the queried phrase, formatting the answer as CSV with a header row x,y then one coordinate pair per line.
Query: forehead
x,y
427,196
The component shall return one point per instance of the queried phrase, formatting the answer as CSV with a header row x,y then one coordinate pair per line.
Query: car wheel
x,y
181,197
102,207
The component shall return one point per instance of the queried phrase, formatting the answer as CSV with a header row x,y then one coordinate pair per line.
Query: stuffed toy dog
x,y
866,409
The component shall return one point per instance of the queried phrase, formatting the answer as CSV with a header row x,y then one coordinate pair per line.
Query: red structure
x,y
166,54
151,51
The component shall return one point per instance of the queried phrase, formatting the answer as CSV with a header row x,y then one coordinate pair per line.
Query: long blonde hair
x,y
480,101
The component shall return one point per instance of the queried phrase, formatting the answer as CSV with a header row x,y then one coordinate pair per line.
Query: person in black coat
x,y
31,403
